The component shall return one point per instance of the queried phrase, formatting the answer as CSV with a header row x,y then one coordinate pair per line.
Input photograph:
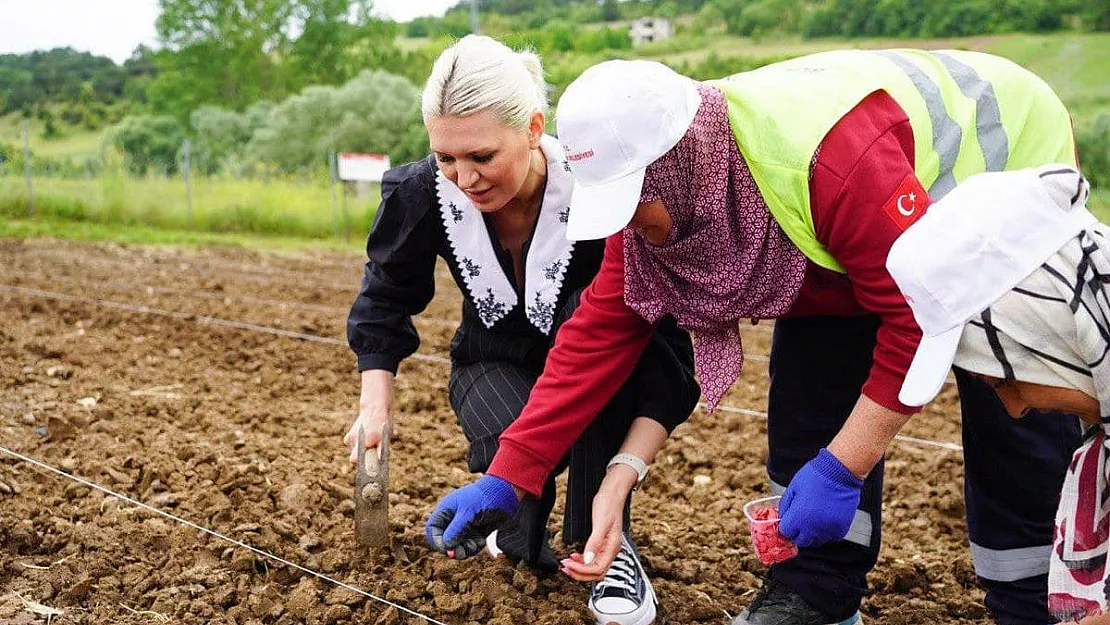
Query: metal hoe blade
x,y
372,492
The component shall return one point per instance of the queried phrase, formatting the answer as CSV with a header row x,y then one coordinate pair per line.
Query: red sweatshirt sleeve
x,y
594,353
864,195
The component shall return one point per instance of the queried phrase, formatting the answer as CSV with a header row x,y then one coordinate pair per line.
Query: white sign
x,y
369,167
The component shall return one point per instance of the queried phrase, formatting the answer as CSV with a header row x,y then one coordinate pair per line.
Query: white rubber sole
x,y
646,613
491,545
644,616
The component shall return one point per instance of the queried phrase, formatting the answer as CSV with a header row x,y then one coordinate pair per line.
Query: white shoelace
x,y
622,575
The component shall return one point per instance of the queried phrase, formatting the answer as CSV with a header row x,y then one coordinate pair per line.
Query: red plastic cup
x,y
768,542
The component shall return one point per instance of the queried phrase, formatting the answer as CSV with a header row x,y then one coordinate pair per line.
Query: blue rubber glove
x,y
819,505
464,517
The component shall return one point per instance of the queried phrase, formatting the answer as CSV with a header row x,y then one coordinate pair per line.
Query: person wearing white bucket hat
x,y
1021,300
491,201
777,193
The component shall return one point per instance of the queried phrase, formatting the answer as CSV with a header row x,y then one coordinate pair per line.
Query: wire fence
x,y
307,205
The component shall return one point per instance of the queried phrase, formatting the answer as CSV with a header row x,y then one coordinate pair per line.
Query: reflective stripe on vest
x,y
970,113
947,134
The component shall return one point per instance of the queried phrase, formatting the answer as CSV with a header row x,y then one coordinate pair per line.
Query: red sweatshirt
x,y
860,189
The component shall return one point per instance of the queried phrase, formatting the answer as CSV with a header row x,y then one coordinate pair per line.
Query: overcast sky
x,y
114,27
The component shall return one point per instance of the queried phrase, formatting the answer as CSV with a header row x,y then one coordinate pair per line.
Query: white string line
x,y
323,339
262,274
202,319
257,274
310,337
224,298
207,320
321,308
244,545
905,439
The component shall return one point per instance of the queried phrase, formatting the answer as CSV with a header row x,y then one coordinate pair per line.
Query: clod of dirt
x,y
293,496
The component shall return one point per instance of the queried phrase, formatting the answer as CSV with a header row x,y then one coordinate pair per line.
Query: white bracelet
x,y
631,460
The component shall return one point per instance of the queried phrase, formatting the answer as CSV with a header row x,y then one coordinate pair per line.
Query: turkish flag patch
x,y
908,203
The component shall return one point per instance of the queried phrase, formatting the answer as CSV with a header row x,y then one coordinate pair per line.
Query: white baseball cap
x,y
970,248
614,120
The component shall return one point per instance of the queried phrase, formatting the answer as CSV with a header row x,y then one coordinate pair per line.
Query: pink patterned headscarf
x,y
726,258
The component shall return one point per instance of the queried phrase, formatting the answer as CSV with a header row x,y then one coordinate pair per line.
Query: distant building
x,y
649,29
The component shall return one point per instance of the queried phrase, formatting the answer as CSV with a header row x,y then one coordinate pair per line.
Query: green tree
x,y
49,124
1093,143
668,9
764,16
221,136
413,144
328,28
58,75
16,89
709,18
148,142
371,113
220,52
231,53
1096,14
610,12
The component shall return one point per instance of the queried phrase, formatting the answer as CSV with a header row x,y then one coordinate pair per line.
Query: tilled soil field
x,y
215,384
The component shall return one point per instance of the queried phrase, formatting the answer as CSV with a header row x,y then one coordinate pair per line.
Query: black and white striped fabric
x,y
1054,329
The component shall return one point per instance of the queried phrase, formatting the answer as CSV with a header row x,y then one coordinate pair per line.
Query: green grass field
x,y
278,208
1100,206
129,234
73,143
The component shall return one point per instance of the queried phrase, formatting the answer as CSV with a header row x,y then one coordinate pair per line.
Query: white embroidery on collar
x,y
492,292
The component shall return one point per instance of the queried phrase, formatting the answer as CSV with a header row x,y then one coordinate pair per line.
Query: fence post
x,y
188,185
27,168
333,172
343,212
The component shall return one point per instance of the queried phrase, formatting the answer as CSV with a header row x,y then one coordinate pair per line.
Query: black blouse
x,y
407,235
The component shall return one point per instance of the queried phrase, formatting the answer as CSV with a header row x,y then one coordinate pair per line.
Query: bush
x,y
8,152
149,142
1093,142
714,66
49,125
413,145
764,16
222,135
371,113
937,18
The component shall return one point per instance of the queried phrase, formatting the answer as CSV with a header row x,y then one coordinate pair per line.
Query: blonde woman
x,y
492,202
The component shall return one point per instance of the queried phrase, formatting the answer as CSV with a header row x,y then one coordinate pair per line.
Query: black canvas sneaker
x,y
625,596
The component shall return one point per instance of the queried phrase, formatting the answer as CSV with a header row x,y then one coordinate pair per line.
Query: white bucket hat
x,y
970,248
614,120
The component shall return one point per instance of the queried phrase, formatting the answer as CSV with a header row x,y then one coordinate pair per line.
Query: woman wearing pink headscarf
x,y
777,194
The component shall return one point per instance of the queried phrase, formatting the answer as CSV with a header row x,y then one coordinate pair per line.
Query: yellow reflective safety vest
x,y
970,113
